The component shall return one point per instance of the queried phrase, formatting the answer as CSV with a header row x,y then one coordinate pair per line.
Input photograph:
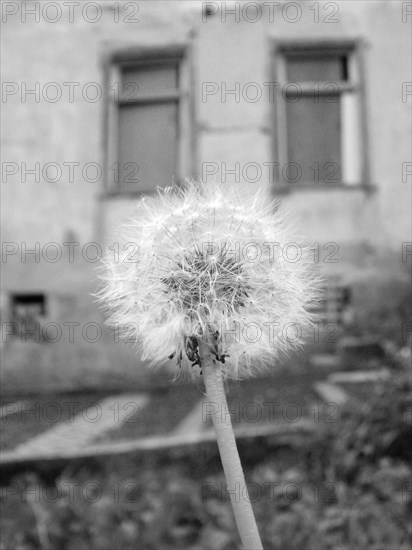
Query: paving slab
x,y
281,430
194,422
331,393
359,377
86,426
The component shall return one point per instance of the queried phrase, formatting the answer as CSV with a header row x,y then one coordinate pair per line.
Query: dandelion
x,y
202,264
217,283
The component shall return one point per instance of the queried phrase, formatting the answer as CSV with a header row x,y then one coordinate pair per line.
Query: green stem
x,y
229,455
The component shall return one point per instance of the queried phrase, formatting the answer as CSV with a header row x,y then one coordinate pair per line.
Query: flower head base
x,y
210,266
201,280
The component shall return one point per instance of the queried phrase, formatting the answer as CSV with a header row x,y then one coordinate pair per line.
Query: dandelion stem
x,y
229,455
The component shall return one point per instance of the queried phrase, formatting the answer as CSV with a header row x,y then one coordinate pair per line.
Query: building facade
x,y
104,101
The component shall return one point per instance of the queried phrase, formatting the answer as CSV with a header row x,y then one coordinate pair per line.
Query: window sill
x,y
114,193
284,189
107,195
278,189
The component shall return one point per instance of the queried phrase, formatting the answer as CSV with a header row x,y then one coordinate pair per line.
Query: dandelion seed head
x,y
209,265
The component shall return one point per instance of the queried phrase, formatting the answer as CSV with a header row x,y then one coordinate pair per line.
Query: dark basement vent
x,y
28,306
335,301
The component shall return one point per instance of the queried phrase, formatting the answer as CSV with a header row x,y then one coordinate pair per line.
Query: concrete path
x,y
282,430
85,427
330,393
194,422
81,436
359,377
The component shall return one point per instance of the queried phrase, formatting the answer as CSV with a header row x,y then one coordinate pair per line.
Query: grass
x,y
347,489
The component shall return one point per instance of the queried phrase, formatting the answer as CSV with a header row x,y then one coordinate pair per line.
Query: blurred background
x,y
101,103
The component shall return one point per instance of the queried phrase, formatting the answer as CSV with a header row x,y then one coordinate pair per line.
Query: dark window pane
x,y
344,67
137,81
319,68
314,141
148,141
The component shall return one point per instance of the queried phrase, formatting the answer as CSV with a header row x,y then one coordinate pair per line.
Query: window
x,y
28,306
320,136
27,310
148,121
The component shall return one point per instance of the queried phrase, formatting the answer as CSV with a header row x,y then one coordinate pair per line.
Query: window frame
x,y
283,49
134,57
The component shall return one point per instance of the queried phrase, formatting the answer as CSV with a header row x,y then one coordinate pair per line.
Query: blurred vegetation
x,y
382,306
350,489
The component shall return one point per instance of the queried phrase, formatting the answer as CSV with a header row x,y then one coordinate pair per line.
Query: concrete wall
x,y
37,52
